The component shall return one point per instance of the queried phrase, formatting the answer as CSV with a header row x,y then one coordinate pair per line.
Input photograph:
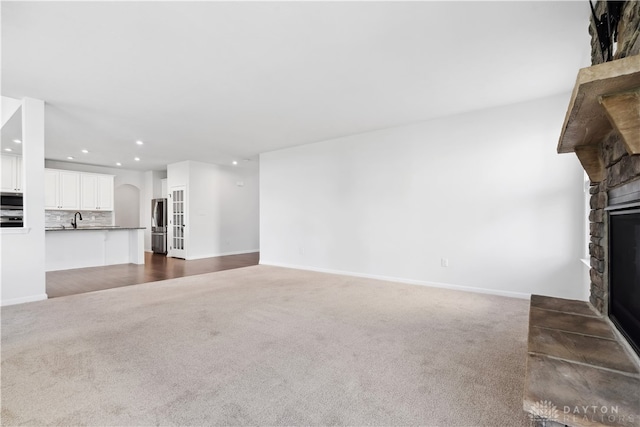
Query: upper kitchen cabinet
x,y
61,190
69,190
11,144
11,178
96,192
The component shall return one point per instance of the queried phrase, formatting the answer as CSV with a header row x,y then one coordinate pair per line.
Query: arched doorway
x,y
127,206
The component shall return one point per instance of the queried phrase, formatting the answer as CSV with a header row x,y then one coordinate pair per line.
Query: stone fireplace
x,y
615,201
583,366
615,179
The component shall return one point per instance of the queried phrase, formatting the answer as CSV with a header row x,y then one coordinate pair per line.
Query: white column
x,y
22,252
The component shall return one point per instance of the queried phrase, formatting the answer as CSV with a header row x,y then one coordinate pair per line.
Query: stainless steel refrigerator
x,y
159,226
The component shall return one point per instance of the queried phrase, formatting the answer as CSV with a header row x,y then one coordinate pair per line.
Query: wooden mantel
x,y
605,97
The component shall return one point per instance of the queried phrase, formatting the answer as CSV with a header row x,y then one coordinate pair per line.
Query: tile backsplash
x,y
89,218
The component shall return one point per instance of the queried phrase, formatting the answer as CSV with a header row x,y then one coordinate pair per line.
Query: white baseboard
x,y
248,251
22,300
498,292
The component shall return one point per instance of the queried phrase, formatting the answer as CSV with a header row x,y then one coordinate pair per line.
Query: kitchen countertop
x,y
92,246
92,227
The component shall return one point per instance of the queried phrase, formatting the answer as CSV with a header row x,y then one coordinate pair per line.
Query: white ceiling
x,y
11,132
218,81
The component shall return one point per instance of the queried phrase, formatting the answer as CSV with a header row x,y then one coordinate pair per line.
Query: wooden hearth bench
x,y
578,371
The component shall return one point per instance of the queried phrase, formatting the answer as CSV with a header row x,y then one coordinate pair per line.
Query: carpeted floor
x,y
265,346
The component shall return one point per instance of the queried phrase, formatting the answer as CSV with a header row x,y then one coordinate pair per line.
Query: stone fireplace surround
x,y
616,150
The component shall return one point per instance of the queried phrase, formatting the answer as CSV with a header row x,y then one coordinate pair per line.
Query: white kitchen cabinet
x,y
105,192
51,185
88,195
69,190
11,179
96,192
61,190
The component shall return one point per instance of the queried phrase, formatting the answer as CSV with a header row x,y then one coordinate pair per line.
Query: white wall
x,y
222,216
240,210
203,209
22,276
486,190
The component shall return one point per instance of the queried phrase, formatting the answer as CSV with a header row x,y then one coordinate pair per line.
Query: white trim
x,y
248,251
15,230
511,294
22,300
586,262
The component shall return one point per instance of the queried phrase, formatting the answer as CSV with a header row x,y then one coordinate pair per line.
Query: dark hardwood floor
x,y
156,267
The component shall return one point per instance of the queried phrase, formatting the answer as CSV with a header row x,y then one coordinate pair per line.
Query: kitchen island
x,y
92,246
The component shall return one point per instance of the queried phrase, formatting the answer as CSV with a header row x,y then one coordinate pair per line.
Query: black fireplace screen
x,y
624,274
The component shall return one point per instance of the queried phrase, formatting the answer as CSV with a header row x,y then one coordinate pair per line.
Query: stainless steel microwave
x,y
11,201
11,205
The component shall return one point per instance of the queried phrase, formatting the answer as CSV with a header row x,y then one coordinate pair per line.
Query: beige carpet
x,y
265,346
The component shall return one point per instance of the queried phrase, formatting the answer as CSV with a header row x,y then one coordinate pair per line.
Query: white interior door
x,y
177,215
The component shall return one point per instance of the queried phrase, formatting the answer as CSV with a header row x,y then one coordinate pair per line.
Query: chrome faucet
x,y
74,221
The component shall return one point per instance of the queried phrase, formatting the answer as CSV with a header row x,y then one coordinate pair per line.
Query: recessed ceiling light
x,y
69,157
137,159
139,142
85,151
17,141
8,149
118,164
235,162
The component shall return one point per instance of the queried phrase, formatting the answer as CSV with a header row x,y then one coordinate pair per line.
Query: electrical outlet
x,y
57,217
93,218
444,262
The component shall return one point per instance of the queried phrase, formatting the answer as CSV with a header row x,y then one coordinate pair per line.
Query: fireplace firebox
x,y
624,272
